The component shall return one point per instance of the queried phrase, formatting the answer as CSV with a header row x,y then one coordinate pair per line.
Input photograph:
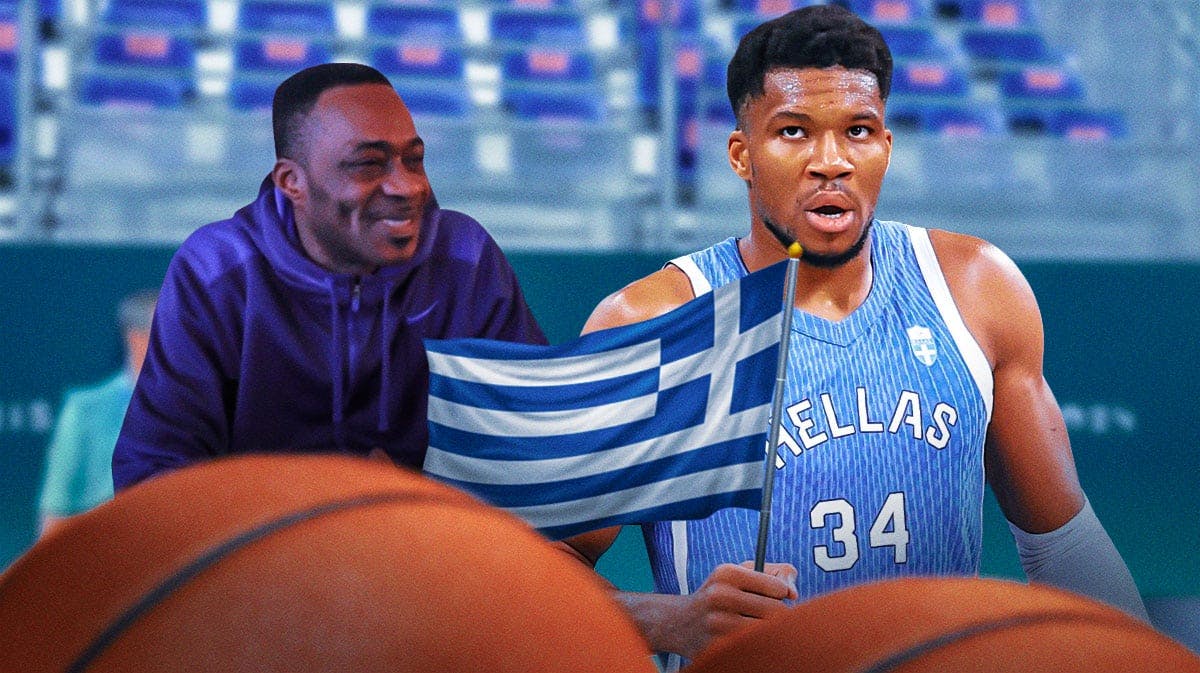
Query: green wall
x,y
1120,357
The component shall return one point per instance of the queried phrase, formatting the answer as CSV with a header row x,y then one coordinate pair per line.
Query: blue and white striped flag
x,y
660,420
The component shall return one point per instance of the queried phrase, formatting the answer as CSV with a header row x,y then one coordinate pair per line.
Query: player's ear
x,y
739,154
289,178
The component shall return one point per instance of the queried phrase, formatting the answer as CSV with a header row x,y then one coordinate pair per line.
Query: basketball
x,y
966,625
306,563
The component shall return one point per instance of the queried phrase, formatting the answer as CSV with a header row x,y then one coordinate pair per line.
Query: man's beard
x,y
817,259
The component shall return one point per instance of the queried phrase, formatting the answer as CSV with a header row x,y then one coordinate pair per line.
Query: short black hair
x,y
296,96
820,36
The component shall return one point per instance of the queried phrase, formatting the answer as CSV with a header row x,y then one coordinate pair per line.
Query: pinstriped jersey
x,y
879,467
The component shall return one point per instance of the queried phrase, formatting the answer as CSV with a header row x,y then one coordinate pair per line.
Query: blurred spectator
x,y
79,458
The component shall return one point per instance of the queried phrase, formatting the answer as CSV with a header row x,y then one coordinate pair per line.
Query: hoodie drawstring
x,y
337,369
385,359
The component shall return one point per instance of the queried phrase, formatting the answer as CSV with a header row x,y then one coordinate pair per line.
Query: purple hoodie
x,y
256,348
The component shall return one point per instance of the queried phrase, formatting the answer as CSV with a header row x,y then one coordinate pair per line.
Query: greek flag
x,y
656,421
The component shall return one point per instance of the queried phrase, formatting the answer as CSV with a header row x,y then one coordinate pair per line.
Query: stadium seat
x,y
973,121
890,11
433,101
414,23
995,13
945,119
1004,45
1044,83
314,19
553,106
278,54
9,36
1087,125
535,5
146,49
714,97
523,27
413,41
8,121
176,15
547,65
929,78
684,15
914,41
417,59
251,94
689,64
1031,94
762,9
129,91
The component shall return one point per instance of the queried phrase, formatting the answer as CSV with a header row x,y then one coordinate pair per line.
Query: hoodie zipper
x,y
355,293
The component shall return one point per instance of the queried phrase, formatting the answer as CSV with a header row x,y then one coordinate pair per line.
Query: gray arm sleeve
x,y
1080,557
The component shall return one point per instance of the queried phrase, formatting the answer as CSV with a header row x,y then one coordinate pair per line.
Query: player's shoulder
x,y
645,298
995,300
972,263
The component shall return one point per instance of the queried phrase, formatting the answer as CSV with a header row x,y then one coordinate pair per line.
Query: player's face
x,y
362,187
813,150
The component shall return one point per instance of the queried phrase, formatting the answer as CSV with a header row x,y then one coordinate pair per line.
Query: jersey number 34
x,y
889,529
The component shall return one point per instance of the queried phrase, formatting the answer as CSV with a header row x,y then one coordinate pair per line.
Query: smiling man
x,y
297,324
915,368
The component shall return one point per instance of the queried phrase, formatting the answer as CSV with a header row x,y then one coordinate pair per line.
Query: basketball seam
x,y
182,576
927,646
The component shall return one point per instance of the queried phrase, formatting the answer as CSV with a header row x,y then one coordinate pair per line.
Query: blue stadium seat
x,y
125,90
947,119
764,9
415,23
427,60
416,41
1041,83
962,121
1004,45
684,15
929,78
1086,124
996,13
715,96
1069,121
538,64
434,101
890,11
689,65
8,120
171,14
251,94
9,36
145,48
278,54
550,106
289,18
564,29
536,5
914,41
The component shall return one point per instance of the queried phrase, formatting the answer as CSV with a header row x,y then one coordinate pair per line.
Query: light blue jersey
x,y
880,462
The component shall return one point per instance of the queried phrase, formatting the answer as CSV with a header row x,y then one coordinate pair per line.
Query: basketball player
x,y
915,368
297,325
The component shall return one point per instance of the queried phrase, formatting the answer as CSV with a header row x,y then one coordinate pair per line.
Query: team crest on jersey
x,y
920,339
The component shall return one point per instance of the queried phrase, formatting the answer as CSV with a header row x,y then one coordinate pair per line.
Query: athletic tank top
x,y
879,469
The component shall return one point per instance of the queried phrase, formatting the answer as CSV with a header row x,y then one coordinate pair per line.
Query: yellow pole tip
x,y
794,250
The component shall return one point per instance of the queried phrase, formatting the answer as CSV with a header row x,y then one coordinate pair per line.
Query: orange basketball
x,y
306,563
965,625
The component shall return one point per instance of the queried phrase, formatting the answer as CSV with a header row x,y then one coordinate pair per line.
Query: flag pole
x,y
764,514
